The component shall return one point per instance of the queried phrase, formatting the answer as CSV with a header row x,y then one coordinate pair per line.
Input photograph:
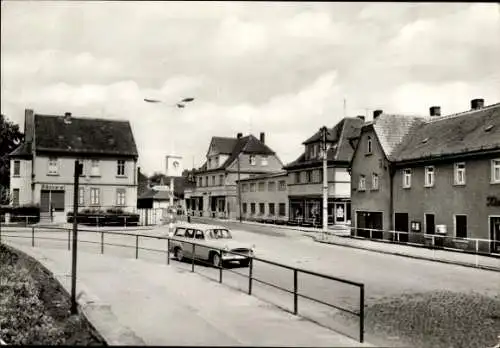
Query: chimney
x,y
67,117
262,137
377,113
29,125
476,104
435,111
239,135
361,117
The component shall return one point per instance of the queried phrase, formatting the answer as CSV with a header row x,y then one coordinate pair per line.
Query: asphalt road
x,y
386,277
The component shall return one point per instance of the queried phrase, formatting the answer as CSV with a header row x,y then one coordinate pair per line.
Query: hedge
x,y
19,213
111,217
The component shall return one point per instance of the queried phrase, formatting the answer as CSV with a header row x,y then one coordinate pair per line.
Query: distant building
x,y
413,174
305,176
215,193
42,167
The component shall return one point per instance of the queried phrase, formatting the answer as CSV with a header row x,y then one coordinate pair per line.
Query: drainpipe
x,y
392,171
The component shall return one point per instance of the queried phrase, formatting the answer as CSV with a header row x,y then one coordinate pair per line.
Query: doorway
x,y
430,225
340,216
401,224
495,234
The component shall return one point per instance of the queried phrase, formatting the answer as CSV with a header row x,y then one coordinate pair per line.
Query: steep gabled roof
x,y
222,145
468,131
339,135
84,135
248,145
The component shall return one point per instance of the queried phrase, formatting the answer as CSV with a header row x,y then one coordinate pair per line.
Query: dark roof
x,y
247,145
222,145
22,151
461,133
84,135
340,135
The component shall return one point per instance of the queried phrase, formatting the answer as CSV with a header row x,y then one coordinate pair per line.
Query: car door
x,y
201,250
187,243
178,236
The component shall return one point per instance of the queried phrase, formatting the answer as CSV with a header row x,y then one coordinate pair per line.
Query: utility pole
x,y
78,172
324,131
239,188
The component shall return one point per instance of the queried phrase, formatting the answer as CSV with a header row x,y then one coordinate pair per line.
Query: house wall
x,y
445,199
266,196
273,164
21,181
365,164
339,183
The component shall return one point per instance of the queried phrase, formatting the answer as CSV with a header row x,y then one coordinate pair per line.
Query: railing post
x,y
295,296
220,267
33,236
192,257
433,246
362,313
102,242
69,239
250,275
168,251
477,253
136,246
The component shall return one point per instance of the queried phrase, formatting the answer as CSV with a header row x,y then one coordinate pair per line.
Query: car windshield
x,y
220,234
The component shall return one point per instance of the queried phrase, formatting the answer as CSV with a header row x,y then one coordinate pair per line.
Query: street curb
x,y
463,264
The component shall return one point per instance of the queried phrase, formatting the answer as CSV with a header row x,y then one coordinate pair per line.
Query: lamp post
x,y
324,132
181,104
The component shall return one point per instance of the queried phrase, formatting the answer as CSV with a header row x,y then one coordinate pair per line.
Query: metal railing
x,y
30,233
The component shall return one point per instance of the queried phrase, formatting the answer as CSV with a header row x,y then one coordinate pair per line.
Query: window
x,y
189,233
53,170
461,226
362,183
120,197
206,181
303,177
82,162
81,196
216,161
271,186
263,161
282,185
281,209
262,208
252,208
15,197
252,187
221,180
297,177
495,171
213,180
262,186
199,235
369,145
94,196
244,207
460,173
309,176
374,181
95,168
180,232
120,169
429,176
244,187
209,163
406,178
271,208
17,168
316,175
252,160
200,181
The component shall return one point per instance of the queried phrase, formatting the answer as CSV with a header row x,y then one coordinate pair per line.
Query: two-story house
x,y
215,193
305,175
428,172
42,167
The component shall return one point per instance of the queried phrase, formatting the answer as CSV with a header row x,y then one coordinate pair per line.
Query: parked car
x,y
215,241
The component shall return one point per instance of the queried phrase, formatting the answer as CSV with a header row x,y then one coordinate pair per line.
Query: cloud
x,y
237,37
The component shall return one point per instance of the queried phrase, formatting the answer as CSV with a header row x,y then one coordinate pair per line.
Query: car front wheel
x,y
216,260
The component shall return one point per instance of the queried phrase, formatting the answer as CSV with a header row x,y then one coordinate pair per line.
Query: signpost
x,y
78,172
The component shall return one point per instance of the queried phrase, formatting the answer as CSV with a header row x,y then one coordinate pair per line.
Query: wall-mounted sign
x,y
174,165
51,187
415,226
441,229
492,201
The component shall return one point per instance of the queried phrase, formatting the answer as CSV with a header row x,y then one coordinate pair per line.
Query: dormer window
x,y
209,163
216,161
263,161
252,160
369,145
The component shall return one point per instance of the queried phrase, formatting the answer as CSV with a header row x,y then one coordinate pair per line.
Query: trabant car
x,y
213,244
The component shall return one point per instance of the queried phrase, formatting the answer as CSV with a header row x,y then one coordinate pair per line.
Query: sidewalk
x,y
133,302
341,237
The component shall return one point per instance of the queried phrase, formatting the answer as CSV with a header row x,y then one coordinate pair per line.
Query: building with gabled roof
x,y
419,175
42,167
305,176
215,193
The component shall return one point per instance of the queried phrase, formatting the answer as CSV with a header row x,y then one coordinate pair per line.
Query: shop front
x,y
309,210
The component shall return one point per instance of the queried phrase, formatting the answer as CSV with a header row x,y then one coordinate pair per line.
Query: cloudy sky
x,y
282,68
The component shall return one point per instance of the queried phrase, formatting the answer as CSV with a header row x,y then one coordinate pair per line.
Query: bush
x,y
111,217
23,320
19,213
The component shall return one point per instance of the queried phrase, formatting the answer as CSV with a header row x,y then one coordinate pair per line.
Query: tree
x,y
10,138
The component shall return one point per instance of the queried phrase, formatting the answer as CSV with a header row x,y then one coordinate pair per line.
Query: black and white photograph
x,y
250,173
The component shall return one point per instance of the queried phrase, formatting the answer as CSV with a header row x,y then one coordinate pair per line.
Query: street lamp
x,y
324,132
180,105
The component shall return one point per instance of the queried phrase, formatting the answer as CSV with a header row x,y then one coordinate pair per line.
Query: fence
x,y
435,241
44,234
